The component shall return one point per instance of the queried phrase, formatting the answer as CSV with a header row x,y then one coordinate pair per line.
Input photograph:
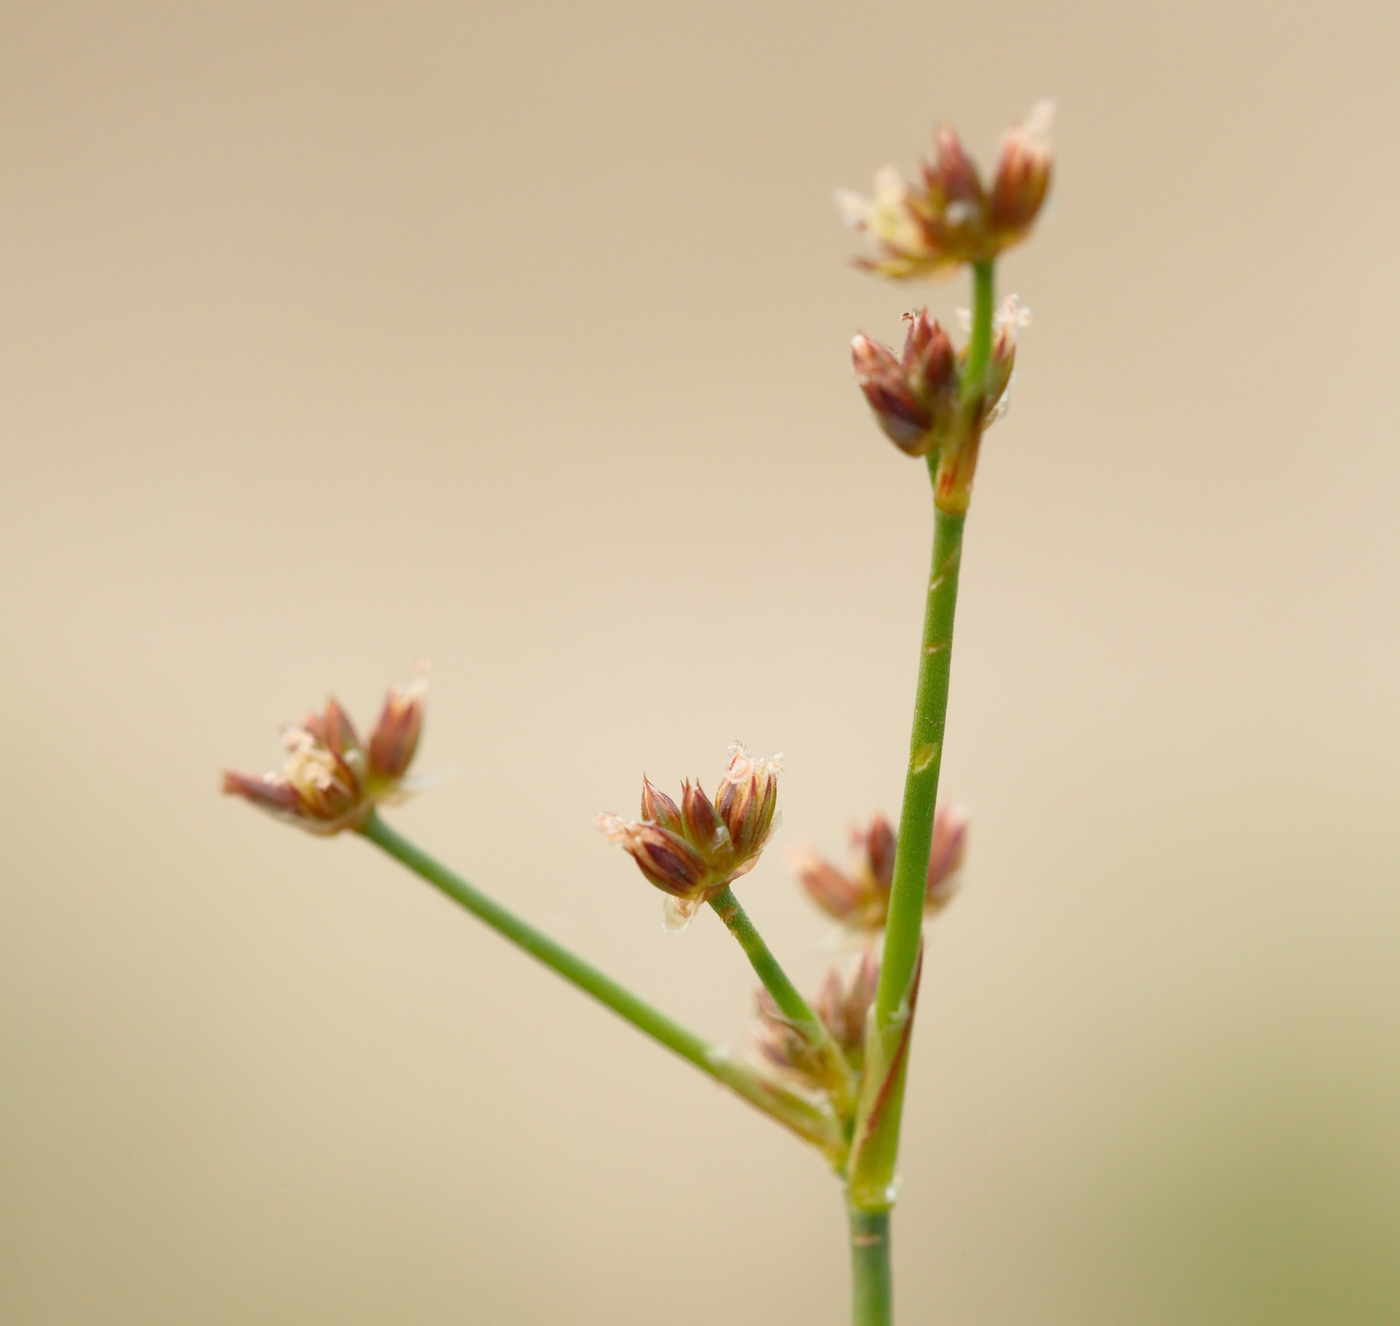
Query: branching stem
x,y
791,1111
790,1003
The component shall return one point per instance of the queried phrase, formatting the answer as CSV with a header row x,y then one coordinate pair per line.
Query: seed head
x,y
860,898
913,395
948,216
692,850
330,781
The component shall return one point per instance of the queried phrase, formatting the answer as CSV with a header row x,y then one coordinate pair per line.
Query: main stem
x,y
875,1149
872,1297
915,840
786,1108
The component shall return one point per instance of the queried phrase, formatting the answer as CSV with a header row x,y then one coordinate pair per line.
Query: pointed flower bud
x,y
1010,318
913,396
329,781
860,899
658,808
949,217
1022,175
394,741
842,1006
693,850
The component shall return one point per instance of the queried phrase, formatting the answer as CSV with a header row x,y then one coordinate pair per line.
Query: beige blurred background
x,y
514,336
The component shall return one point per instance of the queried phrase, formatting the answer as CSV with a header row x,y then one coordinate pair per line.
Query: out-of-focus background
x,y
515,336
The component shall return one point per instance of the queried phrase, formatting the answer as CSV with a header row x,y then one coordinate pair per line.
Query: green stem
x,y
871,1294
796,1114
979,345
907,892
790,1003
876,1148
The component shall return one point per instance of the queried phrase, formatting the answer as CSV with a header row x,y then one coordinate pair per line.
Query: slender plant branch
x,y
790,1003
872,1298
796,1114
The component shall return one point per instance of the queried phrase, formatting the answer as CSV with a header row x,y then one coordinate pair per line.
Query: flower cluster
x,y
861,899
916,396
949,216
692,850
333,781
842,1006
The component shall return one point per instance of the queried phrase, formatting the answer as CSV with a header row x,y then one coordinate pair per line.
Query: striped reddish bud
x,y
948,216
1022,177
666,859
1009,319
842,1005
329,782
945,858
747,800
954,197
860,897
394,741
692,850
703,826
658,808
913,396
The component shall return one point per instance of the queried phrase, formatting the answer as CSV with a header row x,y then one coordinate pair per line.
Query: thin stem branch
x,y
872,1298
790,1003
796,1114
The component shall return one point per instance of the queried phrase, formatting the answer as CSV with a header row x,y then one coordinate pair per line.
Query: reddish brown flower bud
x,y
860,898
703,826
693,850
1022,175
327,783
914,396
336,732
946,856
896,407
658,808
667,860
954,191
842,1005
949,217
747,801
877,845
394,741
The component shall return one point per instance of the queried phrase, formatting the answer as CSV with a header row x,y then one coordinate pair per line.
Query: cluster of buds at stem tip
x,y
842,1006
860,898
332,780
948,216
692,850
919,396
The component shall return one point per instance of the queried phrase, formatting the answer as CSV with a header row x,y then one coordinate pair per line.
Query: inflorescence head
x,y
692,850
331,780
949,216
860,899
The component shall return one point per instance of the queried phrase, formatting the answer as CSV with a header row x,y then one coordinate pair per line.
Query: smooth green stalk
x,y
876,1145
979,344
915,841
794,1113
790,1003
872,1298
